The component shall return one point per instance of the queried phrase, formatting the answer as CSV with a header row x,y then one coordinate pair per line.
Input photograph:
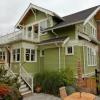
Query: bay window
x,y
30,55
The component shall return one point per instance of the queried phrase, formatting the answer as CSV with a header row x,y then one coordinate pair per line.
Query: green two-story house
x,y
47,42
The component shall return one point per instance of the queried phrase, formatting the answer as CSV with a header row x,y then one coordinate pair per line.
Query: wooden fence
x,y
97,74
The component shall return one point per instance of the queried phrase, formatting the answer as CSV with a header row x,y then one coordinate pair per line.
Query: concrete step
x,y
24,89
22,83
23,86
26,93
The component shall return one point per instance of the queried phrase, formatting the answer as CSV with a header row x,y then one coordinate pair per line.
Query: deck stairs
x,y
25,79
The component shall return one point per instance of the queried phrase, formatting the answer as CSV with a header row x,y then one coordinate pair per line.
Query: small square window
x,y
41,53
70,50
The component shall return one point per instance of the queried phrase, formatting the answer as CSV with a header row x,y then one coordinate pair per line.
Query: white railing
x,y
28,78
19,35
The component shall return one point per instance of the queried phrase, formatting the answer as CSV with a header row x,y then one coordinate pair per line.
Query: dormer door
x,y
30,32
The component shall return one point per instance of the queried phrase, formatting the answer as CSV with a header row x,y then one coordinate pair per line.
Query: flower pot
x,y
38,89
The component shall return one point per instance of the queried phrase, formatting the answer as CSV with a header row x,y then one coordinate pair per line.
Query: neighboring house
x,y
48,42
98,36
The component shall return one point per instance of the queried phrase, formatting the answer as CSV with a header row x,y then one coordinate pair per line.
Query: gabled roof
x,y
74,18
40,9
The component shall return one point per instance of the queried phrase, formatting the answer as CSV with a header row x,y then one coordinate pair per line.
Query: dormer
x,y
35,19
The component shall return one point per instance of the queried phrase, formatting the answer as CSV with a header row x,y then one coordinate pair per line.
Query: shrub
x,y
7,79
9,93
68,76
50,82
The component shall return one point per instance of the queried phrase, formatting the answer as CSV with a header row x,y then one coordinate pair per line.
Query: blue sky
x,y
11,10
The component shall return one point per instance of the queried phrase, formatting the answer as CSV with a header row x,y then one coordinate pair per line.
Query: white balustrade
x,y
27,77
19,35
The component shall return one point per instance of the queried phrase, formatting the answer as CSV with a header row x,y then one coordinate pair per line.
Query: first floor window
x,y
30,55
70,50
2,55
16,54
91,57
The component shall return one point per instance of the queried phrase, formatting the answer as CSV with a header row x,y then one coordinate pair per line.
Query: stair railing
x,y
27,77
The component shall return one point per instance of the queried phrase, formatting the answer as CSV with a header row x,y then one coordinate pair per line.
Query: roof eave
x,y
38,8
91,15
63,26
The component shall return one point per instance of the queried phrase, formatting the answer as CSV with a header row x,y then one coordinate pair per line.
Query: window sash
x,y
16,55
2,55
31,55
91,57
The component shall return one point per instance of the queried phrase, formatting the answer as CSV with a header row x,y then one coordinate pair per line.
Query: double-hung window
x,y
30,55
2,55
91,56
16,55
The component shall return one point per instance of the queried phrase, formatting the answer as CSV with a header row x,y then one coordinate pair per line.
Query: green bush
x,y
50,82
9,93
68,76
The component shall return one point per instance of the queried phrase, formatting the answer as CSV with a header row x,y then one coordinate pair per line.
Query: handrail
x,y
28,78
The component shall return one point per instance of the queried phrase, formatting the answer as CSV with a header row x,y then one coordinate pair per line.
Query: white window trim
x,y
4,55
90,59
15,58
30,56
37,22
41,53
66,50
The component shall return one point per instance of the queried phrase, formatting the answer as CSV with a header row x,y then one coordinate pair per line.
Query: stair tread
x,y
27,92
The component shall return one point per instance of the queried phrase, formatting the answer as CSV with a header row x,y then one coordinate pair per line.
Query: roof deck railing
x,y
19,35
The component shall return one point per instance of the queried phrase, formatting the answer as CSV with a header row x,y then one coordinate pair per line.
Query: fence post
x,y
96,75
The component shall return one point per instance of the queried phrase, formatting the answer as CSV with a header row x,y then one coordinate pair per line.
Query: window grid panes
x,y
30,55
91,57
16,54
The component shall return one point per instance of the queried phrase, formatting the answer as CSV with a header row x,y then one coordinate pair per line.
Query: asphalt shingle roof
x,y
74,18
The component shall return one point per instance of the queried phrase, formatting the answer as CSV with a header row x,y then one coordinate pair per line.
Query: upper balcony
x,y
19,35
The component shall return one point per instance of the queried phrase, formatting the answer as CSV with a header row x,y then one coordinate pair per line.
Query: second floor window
x,y
30,55
91,57
36,28
2,55
16,55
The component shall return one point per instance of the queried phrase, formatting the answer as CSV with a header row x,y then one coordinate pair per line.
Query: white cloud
x,y
11,10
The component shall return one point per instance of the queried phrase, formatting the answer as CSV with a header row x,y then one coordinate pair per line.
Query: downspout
x,y
59,59
84,58
59,56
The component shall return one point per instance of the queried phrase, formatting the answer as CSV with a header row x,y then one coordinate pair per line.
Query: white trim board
x,y
38,8
91,15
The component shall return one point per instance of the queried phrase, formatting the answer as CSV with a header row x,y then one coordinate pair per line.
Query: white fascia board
x,y
23,15
35,7
91,15
42,9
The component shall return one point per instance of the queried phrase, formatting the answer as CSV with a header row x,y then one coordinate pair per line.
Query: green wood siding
x,y
72,60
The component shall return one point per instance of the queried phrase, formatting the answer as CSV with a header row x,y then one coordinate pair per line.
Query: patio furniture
x,y
80,96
